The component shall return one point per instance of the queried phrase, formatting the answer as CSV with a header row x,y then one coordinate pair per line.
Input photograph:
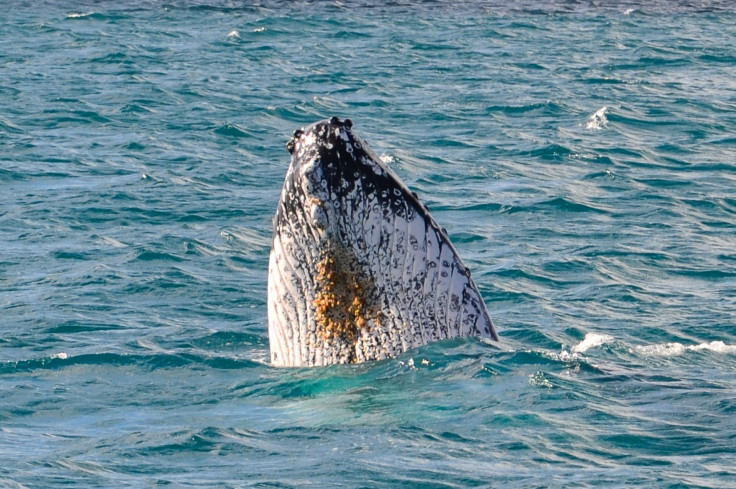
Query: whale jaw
x,y
359,270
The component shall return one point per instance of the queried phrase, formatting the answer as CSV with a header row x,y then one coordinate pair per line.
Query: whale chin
x,y
359,270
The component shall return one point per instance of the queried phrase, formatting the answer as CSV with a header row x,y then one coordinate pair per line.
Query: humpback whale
x,y
359,270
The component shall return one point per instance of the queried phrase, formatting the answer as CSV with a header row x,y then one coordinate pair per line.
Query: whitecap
x,y
591,340
661,350
233,34
597,120
563,356
79,15
714,346
676,349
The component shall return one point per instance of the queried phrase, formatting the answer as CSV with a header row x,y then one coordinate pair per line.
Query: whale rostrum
x,y
359,270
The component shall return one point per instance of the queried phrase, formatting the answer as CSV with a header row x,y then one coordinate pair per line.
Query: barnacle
x,y
344,299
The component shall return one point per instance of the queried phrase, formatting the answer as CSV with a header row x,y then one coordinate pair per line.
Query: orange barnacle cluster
x,y
343,302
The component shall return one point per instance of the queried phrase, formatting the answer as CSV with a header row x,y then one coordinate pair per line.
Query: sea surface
x,y
581,154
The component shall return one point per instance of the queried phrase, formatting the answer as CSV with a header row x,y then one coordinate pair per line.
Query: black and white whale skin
x,y
358,269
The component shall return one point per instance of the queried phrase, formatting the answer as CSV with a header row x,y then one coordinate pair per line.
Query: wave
x,y
106,16
82,15
554,204
661,350
232,131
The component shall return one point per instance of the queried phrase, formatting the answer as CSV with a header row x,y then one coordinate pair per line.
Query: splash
x,y
388,159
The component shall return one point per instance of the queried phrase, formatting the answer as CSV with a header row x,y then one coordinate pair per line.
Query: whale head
x,y
358,269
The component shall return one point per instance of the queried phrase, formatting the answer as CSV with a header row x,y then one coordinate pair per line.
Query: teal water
x,y
581,156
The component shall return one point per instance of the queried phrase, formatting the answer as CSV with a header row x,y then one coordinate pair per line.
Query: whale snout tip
x,y
336,121
332,121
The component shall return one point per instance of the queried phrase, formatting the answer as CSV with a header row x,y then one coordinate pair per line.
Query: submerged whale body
x,y
359,270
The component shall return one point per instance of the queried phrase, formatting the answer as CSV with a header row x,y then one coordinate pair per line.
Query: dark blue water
x,y
581,156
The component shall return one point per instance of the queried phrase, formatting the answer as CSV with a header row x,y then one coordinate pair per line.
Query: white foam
x,y
661,350
714,346
591,340
676,349
597,120
234,34
79,15
538,379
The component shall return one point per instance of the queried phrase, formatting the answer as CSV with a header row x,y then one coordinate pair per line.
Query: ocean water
x,y
582,156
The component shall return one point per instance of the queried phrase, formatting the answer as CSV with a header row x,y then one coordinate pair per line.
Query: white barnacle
x,y
317,213
308,140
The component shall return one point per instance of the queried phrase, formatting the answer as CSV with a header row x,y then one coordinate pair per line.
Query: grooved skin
x,y
340,201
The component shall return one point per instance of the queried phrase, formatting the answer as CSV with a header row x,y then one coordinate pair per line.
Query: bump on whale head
x,y
358,268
